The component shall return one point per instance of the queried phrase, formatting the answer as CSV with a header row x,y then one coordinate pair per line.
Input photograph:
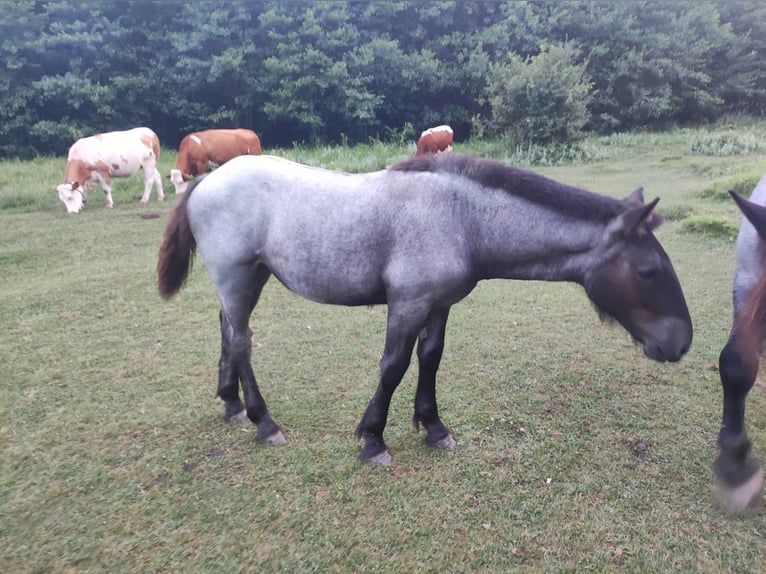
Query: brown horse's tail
x,y
177,251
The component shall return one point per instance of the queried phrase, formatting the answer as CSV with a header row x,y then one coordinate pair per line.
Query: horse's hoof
x,y
380,459
739,498
240,417
274,439
447,442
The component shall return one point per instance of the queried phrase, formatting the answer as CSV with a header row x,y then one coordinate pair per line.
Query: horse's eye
x,y
648,272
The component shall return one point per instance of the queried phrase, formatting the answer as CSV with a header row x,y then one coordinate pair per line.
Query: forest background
x,y
299,71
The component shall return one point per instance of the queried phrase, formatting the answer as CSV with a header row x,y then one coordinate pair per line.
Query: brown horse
x,y
739,475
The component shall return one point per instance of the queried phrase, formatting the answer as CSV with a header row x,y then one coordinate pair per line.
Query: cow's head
x,y
73,196
179,180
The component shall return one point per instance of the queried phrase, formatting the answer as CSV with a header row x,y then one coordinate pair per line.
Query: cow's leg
x,y
228,380
158,185
152,178
430,348
404,322
103,179
239,291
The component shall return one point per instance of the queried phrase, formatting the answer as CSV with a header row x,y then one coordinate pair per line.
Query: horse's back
x,y
264,191
329,236
315,230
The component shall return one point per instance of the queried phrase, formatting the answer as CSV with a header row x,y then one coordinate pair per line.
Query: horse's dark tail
x,y
177,251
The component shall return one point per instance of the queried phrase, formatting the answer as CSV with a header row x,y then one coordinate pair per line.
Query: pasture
x,y
575,452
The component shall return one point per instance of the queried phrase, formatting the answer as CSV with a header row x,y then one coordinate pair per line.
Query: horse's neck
x,y
523,241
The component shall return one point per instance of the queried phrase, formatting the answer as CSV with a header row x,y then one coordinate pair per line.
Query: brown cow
x,y
435,140
201,151
96,158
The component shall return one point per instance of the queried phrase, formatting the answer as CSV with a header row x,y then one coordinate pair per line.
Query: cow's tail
x,y
177,251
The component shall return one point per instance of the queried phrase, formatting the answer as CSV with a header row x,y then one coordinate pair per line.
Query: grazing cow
x,y
96,158
201,151
434,140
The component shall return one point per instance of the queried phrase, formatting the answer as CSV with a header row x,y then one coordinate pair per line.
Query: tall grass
x,y
575,453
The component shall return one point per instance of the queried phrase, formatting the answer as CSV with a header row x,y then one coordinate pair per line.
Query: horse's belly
x,y
336,291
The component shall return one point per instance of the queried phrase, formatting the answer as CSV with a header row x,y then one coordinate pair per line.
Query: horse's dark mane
x,y
524,183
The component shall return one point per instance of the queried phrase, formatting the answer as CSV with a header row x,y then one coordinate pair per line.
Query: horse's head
x,y
73,196
636,285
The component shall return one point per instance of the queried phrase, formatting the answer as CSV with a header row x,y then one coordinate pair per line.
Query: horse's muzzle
x,y
668,340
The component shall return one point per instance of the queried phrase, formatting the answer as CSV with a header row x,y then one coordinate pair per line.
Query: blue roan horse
x,y
740,476
417,237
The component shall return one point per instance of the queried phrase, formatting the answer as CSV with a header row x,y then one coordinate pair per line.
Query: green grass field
x,y
575,453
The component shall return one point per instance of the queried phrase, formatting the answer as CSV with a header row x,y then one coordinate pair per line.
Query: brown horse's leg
x,y
430,348
739,476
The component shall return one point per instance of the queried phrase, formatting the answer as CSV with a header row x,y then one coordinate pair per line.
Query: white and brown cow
x,y
435,140
98,158
201,151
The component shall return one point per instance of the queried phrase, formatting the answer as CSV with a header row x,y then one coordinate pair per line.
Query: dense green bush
x,y
542,99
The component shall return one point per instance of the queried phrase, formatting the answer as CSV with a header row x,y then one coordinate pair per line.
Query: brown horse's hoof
x,y
743,496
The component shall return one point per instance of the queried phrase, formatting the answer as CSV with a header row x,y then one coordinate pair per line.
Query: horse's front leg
x,y
430,349
401,333
739,475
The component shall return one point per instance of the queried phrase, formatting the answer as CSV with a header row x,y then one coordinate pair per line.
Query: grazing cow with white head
x,y
435,140
96,159
201,151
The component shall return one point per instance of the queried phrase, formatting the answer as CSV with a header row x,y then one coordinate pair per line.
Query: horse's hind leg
x,y
238,302
740,477
228,379
430,348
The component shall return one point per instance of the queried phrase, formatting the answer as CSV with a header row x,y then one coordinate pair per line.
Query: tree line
x,y
317,72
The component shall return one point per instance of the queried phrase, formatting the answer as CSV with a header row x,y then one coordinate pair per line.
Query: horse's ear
x,y
186,176
75,185
635,221
756,214
635,199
